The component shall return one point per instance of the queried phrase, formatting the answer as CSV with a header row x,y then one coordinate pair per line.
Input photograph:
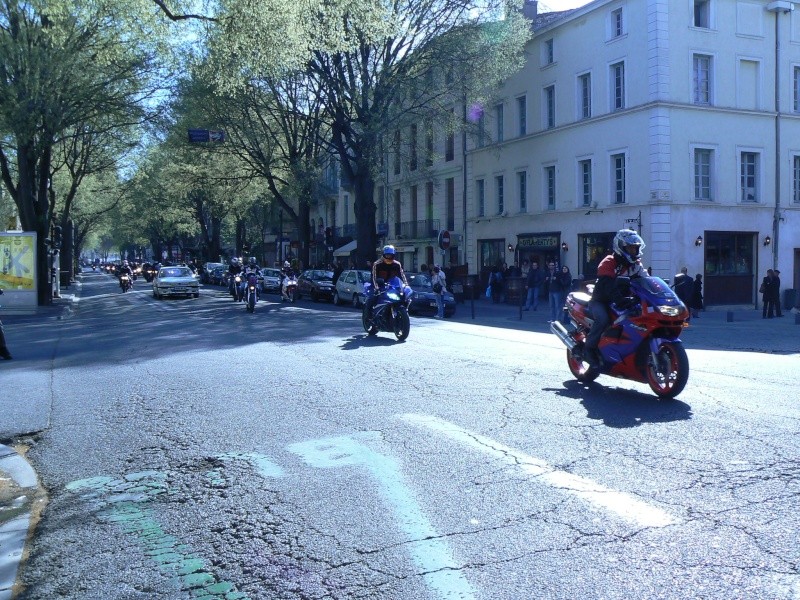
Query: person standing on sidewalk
x,y
696,301
533,285
767,290
439,284
553,284
777,279
565,281
4,353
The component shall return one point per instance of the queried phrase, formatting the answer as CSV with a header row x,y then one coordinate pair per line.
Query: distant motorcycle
x,y
125,282
289,288
390,312
642,342
94,267
251,292
235,288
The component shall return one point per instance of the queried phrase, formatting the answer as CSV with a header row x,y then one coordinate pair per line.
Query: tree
x,y
378,66
63,63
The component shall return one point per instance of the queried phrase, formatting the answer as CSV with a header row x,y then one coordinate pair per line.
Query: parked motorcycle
x,y
235,288
642,342
390,312
251,292
289,288
125,283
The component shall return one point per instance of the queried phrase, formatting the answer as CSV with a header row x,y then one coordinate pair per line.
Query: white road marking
x,y
625,506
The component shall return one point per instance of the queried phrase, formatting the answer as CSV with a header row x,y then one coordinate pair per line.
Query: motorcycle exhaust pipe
x,y
558,328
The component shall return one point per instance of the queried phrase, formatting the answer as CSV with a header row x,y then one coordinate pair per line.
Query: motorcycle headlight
x,y
670,311
393,296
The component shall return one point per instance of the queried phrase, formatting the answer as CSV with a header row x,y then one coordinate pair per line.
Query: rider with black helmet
x,y
624,261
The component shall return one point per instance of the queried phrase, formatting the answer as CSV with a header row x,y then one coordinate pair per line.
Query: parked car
x,y
175,281
205,274
317,284
270,280
350,287
424,300
217,275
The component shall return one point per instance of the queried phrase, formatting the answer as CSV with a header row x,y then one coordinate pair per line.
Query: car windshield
x,y
364,276
418,280
175,272
321,275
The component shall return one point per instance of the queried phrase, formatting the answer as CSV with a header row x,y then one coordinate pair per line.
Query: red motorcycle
x,y
641,344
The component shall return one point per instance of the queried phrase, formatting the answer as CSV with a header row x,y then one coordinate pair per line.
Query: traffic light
x,y
328,236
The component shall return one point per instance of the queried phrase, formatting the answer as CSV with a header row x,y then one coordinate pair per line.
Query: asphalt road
x,y
197,451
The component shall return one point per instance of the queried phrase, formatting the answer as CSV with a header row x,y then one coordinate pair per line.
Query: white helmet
x,y
628,244
286,264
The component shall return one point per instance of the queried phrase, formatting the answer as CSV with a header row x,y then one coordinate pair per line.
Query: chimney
x,y
530,9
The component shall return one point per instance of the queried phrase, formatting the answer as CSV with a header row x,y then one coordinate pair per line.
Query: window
x,y
429,201
550,106
482,130
397,212
796,103
450,145
428,144
796,180
498,114
593,247
480,193
618,86
522,185
585,174
522,112
412,162
617,26
550,183
702,13
548,56
346,209
450,190
703,174
585,95
397,152
500,187
749,176
701,79
618,178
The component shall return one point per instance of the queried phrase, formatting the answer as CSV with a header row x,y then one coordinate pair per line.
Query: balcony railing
x,y
415,230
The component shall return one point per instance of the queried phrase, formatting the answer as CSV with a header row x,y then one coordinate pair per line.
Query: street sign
x,y
444,239
199,136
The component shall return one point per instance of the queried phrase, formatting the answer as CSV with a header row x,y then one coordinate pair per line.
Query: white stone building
x,y
677,118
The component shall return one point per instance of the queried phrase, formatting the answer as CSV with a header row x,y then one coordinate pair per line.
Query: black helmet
x,y
252,261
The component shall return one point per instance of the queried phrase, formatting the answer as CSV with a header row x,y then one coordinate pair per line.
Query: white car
x,y
175,281
350,287
271,280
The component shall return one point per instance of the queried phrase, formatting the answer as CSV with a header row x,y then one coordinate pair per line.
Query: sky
x,y
554,5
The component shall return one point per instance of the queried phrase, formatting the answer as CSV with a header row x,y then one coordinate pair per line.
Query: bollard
x,y
729,317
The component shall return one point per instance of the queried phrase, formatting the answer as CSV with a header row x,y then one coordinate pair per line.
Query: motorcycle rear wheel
x,y
581,370
669,377
370,328
402,325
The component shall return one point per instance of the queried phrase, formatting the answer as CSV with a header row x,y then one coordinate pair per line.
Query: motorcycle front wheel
x,y
402,325
251,303
668,376
366,322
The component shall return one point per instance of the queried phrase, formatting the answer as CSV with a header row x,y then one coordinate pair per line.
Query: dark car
x,y
317,284
217,275
424,300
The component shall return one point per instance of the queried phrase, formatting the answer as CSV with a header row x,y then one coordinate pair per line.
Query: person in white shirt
x,y
439,282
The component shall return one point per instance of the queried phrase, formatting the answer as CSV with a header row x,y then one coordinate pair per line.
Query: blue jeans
x,y
533,297
556,304
440,305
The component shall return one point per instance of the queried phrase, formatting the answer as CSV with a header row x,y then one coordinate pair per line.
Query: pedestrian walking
x,y
683,286
696,301
565,281
767,291
439,284
553,284
533,284
4,352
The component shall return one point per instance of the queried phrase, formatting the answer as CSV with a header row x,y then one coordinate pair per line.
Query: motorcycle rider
x,y
125,269
384,268
286,273
250,268
234,269
624,261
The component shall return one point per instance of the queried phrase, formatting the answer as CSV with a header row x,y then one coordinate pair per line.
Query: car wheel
x,y
314,296
155,295
336,300
356,300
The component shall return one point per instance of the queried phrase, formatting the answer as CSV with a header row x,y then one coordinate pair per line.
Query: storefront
x,y
730,267
539,247
593,248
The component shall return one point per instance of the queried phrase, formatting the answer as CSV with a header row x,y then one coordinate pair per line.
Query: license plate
x,y
179,290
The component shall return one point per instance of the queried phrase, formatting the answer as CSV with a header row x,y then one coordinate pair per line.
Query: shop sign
x,y
539,241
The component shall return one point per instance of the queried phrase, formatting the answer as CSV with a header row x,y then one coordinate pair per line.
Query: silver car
x,y
270,280
350,287
175,281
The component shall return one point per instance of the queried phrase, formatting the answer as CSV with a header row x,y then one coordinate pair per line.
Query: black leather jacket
x,y
383,270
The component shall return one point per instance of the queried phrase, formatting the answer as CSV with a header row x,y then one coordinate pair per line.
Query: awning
x,y
346,249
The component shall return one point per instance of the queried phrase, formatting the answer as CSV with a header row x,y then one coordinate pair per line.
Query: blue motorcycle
x,y
390,311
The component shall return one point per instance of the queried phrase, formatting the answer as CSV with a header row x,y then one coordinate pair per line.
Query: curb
x,y
15,517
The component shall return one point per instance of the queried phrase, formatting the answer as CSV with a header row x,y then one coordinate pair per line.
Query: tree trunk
x,y
364,207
